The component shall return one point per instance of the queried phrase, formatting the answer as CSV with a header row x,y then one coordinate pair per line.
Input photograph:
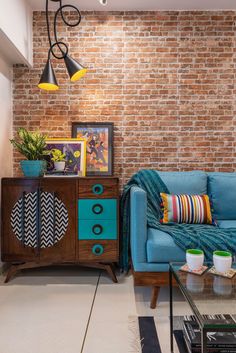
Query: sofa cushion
x,y
186,209
222,192
194,182
227,223
162,248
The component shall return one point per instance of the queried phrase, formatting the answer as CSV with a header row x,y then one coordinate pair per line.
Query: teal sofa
x,y
152,249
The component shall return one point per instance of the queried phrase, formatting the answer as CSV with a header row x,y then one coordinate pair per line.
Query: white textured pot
x,y
59,166
222,261
194,258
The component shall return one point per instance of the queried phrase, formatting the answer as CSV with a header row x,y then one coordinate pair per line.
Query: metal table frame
x,y
203,326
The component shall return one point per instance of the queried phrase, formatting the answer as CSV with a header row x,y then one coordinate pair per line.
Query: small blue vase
x,y
33,168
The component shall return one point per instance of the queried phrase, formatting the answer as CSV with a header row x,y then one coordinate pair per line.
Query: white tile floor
x,y
62,310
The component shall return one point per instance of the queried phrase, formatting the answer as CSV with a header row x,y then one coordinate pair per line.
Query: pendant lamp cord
x,y
58,43
59,10
48,25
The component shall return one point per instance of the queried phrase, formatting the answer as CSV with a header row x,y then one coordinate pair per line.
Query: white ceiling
x,y
139,5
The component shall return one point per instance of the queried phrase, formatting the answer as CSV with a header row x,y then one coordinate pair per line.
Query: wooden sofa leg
x,y
155,292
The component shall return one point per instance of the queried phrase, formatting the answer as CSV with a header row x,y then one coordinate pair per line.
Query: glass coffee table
x,y
206,294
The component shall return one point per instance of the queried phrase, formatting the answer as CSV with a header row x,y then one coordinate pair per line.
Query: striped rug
x,y
149,336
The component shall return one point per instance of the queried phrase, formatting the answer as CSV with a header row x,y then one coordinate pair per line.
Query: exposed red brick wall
x,y
166,80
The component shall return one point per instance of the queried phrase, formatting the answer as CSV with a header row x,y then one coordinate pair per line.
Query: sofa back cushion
x,y
222,192
191,183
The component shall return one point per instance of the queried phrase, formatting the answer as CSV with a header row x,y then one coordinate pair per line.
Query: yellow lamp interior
x,y
78,75
48,86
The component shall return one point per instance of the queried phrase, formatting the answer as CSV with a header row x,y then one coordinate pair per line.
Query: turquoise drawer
x,y
97,209
102,229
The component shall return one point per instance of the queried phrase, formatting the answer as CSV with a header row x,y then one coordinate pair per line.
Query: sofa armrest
x,y
138,225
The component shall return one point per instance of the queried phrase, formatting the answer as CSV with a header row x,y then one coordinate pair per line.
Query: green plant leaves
x,y
31,144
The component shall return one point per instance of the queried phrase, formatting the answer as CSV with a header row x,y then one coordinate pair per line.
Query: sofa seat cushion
x,y
162,248
222,192
227,223
191,183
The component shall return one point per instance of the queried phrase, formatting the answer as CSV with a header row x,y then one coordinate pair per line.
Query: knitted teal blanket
x,y
202,236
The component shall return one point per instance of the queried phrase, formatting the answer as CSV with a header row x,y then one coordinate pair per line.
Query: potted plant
x,y
58,159
31,145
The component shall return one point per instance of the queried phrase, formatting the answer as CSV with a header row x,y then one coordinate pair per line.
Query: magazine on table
x,y
217,342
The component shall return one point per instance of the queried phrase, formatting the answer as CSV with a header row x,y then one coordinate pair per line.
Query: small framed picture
x,y
99,146
66,157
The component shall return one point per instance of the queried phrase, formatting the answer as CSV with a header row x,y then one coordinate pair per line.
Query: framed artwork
x,y
71,152
99,146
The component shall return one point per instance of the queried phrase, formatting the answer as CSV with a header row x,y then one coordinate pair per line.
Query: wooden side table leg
x,y
155,293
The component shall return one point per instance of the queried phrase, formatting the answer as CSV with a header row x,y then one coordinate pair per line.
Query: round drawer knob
x,y
97,208
97,229
97,249
97,189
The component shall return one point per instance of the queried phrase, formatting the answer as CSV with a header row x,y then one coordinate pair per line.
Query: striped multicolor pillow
x,y
186,209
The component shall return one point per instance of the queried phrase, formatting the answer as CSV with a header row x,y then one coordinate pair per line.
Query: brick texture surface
x,y
166,80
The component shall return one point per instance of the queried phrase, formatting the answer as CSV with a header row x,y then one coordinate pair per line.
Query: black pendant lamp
x,y
75,70
48,80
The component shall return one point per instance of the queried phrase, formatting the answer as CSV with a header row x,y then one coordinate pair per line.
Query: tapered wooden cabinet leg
x,y
155,293
16,268
111,271
11,273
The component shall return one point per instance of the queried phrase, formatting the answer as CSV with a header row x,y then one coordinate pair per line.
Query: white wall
x,y
6,167
16,25
5,118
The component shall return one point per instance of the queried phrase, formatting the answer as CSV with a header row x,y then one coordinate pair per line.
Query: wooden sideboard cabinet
x,y
56,220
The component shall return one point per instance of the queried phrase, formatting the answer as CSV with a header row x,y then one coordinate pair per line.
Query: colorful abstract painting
x,y
99,146
74,152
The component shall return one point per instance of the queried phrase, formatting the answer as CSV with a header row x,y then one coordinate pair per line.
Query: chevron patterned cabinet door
x,y
12,247
59,222
38,219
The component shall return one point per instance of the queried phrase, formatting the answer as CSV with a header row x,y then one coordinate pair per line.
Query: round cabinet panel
x,y
39,219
